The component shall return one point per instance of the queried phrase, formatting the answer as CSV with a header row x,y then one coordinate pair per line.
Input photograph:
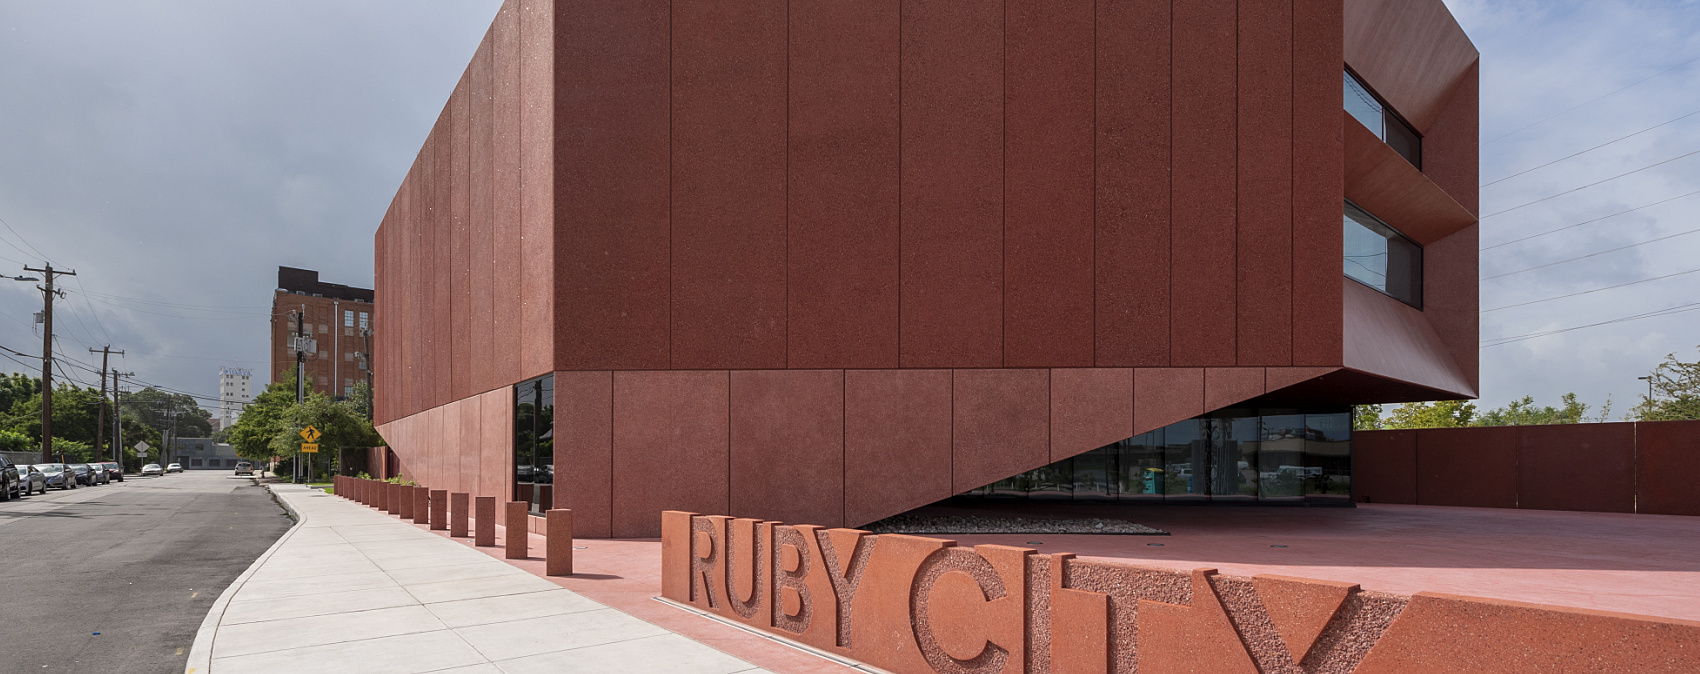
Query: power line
x,y
1678,309
1585,222
1590,101
1584,257
1585,292
95,314
1598,182
1591,149
25,241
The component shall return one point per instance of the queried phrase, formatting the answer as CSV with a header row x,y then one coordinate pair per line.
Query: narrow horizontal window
x,y
1379,118
1378,256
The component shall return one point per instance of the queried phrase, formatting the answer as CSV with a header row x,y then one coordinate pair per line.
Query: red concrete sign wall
x,y
914,604
1620,467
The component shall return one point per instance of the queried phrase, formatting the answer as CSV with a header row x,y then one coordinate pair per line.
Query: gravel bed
x,y
974,524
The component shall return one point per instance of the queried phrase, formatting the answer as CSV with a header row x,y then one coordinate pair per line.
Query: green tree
x,y
175,412
262,420
1438,414
74,410
1525,413
1676,392
1367,418
340,424
13,441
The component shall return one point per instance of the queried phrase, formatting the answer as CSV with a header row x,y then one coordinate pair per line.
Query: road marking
x,y
192,596
180,652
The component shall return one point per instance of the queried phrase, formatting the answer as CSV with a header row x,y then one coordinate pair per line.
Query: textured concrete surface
x,y
350,589
1645,564
137,562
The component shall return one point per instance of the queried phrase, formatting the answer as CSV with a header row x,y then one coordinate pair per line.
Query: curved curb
x,y
200,654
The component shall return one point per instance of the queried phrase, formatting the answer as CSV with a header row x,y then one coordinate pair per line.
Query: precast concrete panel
x,y
1202,251
1667,457
450,445
1452,303
1547,461
441,276
1134,136
728,114
1264,189
1162,396
584,436
1471,467
1412,53
1048,217
468,443
1452,144
612,147
952,210
537,119
1000,424
897,441
483,292
787,445
1224,386
1318,182
505,136
670,447
496,445
1384,466
841,190
1090,408
460,364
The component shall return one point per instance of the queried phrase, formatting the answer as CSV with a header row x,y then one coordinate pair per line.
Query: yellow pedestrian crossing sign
x,y
311,435
310,447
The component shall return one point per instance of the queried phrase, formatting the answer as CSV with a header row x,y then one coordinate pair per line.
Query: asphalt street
x,y
139,562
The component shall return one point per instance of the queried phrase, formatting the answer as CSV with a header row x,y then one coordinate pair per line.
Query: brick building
x,y
339,320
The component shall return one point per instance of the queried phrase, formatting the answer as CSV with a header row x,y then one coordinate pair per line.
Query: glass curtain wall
x,y
1271,456
534,443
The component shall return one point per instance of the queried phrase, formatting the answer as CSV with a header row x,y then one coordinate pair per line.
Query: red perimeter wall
x,y
1644,467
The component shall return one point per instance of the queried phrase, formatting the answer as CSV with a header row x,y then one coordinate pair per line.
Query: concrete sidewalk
x,y
351,589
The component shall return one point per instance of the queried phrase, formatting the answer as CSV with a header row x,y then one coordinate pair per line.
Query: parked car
x,y
244,468
152,469
114,471
97,474
32,479
9,483
85,477
58,475
174,467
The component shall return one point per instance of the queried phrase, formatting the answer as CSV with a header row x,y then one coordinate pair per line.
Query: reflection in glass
x,y
1234,455
1380,257
534,443
1140,467
1328,457
1364,106
1280,459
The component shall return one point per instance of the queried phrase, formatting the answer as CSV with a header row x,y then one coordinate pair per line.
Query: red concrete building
x,y
826,262
339,319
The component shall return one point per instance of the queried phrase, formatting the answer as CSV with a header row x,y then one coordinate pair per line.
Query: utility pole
x,y
100,414
117,418
47,294
302,342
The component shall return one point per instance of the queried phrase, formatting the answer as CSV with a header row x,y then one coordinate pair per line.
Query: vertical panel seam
x,y
785,357
1003,185
670,188
900,185
1094,357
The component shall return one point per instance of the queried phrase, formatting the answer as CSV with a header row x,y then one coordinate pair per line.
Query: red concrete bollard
x,y
421,505
558,558
439,509
404,501
457,514
484,522
518,528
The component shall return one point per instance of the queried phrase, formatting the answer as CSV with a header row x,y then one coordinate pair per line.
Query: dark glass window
x,y
1232,455
534,443
1139,467
1280,459
1328,457
1378,117
1380,257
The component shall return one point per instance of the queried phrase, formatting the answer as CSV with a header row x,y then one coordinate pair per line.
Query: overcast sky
x,y
176,152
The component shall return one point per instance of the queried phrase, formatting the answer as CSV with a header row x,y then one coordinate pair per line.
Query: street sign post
x,y
311,446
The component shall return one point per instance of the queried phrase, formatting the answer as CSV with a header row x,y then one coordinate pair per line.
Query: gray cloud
x,y
178,152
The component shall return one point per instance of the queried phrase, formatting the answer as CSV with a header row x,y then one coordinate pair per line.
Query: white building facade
x,y
235,391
